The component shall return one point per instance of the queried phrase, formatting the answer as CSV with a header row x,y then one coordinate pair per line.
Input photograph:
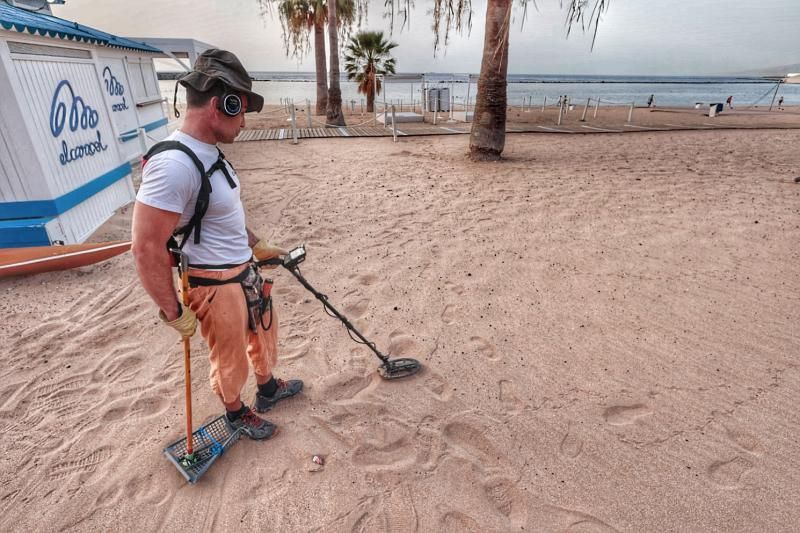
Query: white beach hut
x,y
75,104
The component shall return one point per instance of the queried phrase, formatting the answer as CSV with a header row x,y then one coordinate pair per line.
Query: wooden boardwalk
x,y
278,134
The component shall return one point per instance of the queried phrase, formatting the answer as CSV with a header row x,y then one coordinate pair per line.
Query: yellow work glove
x,y
185,324
263,251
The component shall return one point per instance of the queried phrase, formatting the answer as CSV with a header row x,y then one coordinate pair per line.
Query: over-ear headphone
x,y
230,104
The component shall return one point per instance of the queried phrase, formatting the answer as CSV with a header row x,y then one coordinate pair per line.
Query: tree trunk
x,y
371,94
334,115
488,136
322,69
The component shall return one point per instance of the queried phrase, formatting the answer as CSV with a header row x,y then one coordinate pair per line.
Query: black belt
x,y
215,267
195,281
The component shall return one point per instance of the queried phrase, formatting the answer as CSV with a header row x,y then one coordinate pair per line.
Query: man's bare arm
x,y
151,229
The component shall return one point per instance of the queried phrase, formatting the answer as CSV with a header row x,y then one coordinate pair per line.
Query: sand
x,y
608,324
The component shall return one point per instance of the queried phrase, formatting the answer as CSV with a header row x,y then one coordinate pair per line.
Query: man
x,y
236,317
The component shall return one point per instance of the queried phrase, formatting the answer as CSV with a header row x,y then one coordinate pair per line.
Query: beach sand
x,y
608,324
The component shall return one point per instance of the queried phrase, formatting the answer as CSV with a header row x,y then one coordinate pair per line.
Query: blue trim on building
x,y
50,208
132,134
24,233
47,25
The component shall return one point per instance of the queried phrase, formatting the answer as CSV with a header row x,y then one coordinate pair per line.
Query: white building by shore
x,y
77,105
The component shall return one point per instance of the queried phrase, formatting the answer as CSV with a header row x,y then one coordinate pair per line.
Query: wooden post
x,y
630,113
308,113
544,103
585,108
394,126
374,99
294,124
596,105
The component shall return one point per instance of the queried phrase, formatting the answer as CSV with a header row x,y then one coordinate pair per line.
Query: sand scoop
x,y
390,368
194,454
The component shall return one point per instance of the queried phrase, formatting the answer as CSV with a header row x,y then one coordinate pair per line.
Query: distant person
x,y
780,102
651,100
729,101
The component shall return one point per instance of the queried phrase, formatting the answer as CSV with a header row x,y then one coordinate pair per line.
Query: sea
x,y
535,89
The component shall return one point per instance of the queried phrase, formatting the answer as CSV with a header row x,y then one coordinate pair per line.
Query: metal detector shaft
x,y
391,368
324,299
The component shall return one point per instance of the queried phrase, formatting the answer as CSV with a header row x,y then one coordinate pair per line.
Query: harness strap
x,y
203,196
196,281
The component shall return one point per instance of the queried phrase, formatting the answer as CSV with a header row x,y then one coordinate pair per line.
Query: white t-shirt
x,y
170,181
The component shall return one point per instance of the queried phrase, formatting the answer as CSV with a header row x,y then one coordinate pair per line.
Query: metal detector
x,y
390,368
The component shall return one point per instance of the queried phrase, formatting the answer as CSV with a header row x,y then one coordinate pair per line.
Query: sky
x,y
636,37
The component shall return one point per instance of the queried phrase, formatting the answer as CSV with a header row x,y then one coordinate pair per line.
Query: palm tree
x,y
367,56
487,138
488,135
333,113
298,18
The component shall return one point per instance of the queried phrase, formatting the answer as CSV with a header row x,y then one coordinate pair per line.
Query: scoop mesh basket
x,y
209,442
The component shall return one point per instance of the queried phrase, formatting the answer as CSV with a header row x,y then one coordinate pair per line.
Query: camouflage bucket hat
x,y
214,66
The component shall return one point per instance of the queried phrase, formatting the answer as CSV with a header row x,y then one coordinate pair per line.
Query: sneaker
x,y
286,389
251,425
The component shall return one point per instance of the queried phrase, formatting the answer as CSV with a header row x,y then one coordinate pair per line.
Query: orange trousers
x,y
222,312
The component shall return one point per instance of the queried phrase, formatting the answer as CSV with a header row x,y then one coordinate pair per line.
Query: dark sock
x,y
269,388
234,415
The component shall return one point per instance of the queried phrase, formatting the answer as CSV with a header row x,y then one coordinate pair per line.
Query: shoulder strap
x,y
163,146
203,196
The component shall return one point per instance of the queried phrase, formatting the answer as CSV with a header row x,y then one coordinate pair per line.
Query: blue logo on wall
x,y
114,88
69,110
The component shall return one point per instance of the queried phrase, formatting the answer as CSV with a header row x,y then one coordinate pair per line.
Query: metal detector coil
x,y
390,368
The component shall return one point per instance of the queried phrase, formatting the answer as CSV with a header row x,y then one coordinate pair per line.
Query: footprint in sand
x,y
85,464
401,343
511,402
150,406
296,345
744,440
507,498
622,415
449,314
367,279
358,309
571,445
456,288
728,474
399,513
483,347
470,437
288,294
394,449
457,522
438,386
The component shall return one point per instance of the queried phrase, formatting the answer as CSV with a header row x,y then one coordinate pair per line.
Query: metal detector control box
x,y
295,257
